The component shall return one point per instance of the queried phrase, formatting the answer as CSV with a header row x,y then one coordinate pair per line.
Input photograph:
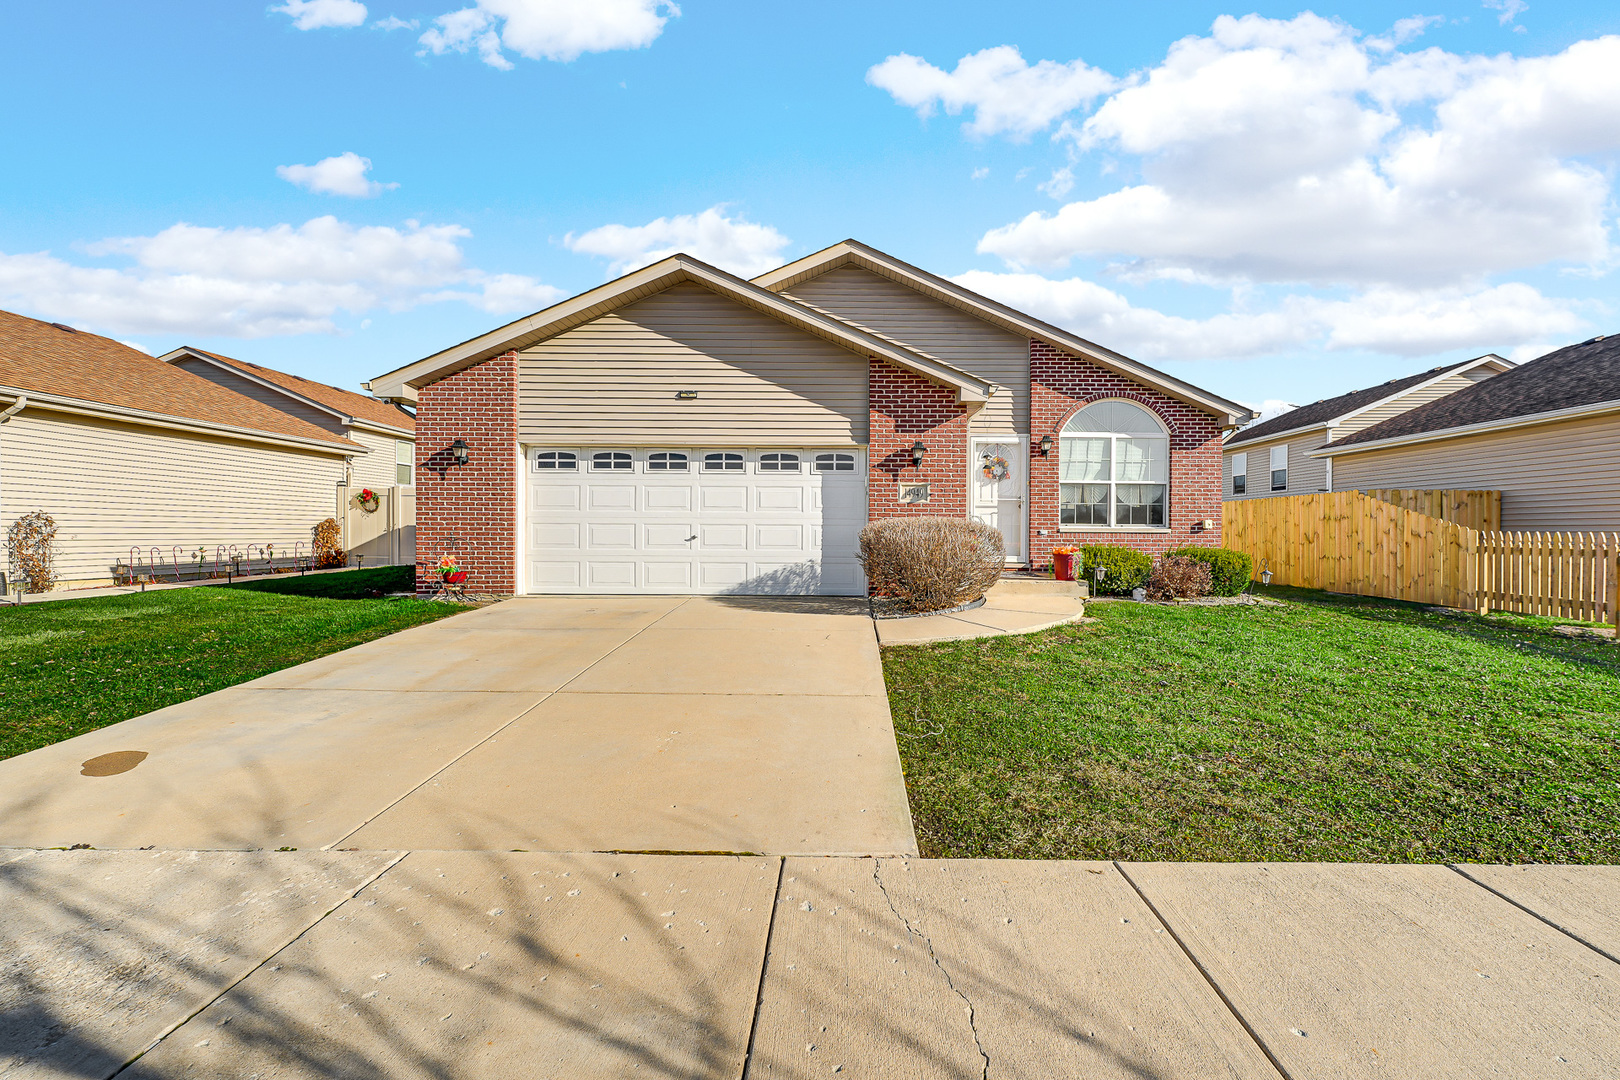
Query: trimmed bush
x,y
1176,577
931,563
1127,569
1229,570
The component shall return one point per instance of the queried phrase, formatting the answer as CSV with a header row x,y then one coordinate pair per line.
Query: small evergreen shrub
x,y
1177,577
1230,570
931,563
1127,569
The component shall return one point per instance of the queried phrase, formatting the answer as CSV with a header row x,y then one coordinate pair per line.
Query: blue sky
x,y
1275,204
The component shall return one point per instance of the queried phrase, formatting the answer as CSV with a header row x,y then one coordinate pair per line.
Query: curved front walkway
x,y
660,724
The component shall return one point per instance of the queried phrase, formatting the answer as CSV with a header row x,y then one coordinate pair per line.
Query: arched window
x,y
1114,467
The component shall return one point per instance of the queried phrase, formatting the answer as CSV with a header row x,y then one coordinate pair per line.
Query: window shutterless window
x,y
835,463
404,462
1279,468
1114,467
611,460
1240,473
722,463
779,463
555,459
665,462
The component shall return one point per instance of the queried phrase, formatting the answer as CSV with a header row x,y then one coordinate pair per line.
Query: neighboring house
x,y
126,451
1274,457
1546,434
683,430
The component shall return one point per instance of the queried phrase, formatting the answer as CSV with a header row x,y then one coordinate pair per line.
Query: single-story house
x,y
682,430
1545,433
1275,456
126,451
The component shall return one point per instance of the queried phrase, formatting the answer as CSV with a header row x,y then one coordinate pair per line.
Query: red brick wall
x,y
1059,386
470,510
905,408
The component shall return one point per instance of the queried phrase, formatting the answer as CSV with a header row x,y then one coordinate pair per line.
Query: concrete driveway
x,y
660,724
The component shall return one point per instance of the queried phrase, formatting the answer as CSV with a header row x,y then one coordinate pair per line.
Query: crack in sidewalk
x,y
973,1027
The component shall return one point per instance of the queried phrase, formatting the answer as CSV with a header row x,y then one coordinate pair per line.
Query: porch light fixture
x,y
917,452
1098,573
458,451
1265,571
1046,445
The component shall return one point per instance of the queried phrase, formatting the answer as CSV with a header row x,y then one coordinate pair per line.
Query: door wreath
x,y
367,500
996,467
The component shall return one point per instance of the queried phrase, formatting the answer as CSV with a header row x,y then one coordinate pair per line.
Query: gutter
x,y
15,407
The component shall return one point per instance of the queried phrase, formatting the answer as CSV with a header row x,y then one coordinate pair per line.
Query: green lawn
x,y
1328,729
76,665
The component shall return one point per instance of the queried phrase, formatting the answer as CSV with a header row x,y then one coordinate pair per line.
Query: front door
x,y
997,483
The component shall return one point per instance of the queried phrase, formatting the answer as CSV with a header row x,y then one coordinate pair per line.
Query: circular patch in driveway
x,y
112,764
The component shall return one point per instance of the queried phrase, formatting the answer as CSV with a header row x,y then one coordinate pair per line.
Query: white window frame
x,y
404,462
1240,473
669,461
1114,484
621,461
556,457
833,461
778,462
734,461
1279,453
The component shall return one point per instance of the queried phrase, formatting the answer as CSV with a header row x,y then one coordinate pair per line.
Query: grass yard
x,y
1330,729
76,665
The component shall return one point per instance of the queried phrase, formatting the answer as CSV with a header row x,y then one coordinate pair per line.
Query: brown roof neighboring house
x,y
1319,412
46,358
347,402
1578,376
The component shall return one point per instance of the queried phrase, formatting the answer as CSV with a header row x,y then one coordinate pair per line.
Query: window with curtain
x,y
1240,473
1114,467
1279,468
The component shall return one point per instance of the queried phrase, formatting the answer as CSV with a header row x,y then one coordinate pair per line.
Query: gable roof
x,y
344,404
1577,379
1329,411
403,382
58,366
855,253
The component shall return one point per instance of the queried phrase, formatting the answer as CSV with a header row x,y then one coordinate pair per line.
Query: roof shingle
x,y
347,402
1320,412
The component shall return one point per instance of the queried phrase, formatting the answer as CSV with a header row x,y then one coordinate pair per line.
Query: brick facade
x,y
905,408
470,510
1059,386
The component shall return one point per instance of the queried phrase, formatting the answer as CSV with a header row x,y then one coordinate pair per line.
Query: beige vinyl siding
x,y
376,469
758,380
895,311
1559,477
1421,396
110,486
1305,473
261,393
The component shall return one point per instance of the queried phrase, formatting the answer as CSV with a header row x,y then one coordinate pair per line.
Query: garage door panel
x,y
611,574
611,496
730,537
656,497
555,576
553,497
668,536
728,497
720,574
667,576
779,498
779,537
554,534
611,536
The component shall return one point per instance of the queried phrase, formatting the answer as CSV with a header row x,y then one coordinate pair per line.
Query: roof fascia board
x,y
80,407
854,253
186,352
662,275
1262,440
1485,427
384,429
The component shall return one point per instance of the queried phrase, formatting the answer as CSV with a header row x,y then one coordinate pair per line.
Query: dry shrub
x,y
31,550
328,545
1176,577
931,563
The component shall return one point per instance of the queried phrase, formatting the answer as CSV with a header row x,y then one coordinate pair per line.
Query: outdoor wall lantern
x,y
1098,573
917,452
1046,445
458,451
1265,571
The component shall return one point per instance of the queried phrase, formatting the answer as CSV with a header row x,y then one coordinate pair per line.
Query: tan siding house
x,y
1295,436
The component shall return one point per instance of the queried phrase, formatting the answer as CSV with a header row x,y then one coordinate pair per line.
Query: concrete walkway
x,y
564,724
495,965
1013,606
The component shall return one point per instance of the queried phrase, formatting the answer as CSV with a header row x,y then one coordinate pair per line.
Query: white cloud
x,y
1403,31
548,29
743,248
1059,184
981,172
1510,9
1286,151
259,282
1005,93
1267,409
344,174
315,14
394,22
1385,320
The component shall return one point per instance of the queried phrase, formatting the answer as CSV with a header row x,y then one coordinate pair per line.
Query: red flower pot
x,y
1063,566
456,578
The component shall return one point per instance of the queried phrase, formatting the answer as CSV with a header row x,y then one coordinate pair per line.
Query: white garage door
x,y
779,521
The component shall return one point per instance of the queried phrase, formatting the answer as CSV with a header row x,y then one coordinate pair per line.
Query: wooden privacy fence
x,y
1352,542
1476,509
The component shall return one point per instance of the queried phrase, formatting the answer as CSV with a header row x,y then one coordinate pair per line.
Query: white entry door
x,y
999,468
651,520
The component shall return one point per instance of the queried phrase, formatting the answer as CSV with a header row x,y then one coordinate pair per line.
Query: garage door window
x,y
779,463
664,462
835,463
611,460
722,463
555,459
